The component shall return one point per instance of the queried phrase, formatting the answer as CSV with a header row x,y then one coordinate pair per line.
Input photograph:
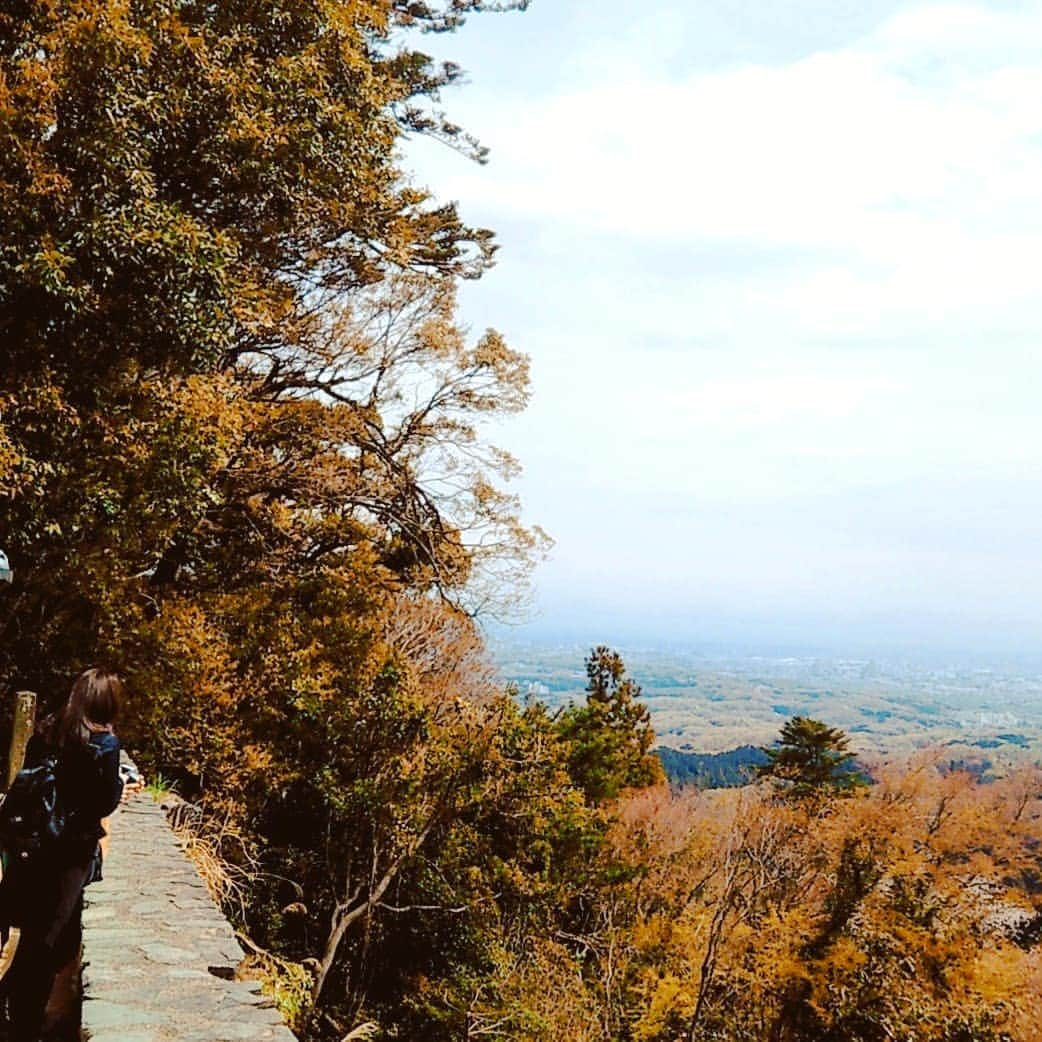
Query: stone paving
x,y
159,957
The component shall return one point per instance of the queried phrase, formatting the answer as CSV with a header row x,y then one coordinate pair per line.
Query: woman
x,y
45,900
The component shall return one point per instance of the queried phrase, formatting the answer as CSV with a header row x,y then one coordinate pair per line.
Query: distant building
x,y
989,720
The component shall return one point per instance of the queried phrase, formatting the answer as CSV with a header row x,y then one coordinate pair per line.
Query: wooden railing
x,y
21,732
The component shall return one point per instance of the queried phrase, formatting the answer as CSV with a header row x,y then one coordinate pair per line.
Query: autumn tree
x,y
240,434
811,757
179,180
196,200
745,917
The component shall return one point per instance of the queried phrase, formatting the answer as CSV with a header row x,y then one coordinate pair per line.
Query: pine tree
x,y
611,735
812,757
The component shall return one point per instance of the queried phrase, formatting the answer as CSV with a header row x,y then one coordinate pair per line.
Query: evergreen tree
x,y
813,757
610,737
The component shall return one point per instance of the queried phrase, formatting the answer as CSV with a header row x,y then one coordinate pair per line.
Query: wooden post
x,y
21,732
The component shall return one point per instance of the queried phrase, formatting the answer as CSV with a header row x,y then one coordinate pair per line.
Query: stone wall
x,y
159,957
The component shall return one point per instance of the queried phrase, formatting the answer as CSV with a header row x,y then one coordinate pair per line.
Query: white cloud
x,y
849,149
768,401
749,287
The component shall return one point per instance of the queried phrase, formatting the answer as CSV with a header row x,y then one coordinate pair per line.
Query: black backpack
x,y
31,816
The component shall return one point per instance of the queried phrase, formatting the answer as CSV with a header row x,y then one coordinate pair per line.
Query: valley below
x,y
984,716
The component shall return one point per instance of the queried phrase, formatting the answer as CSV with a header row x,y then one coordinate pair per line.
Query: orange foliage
x,y
908,911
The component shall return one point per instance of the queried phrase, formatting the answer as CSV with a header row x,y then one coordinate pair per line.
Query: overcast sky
x,y
779,270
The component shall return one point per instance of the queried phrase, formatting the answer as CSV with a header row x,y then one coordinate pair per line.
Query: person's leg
x,y
27,986
30,898
45,943
64,925
62,1013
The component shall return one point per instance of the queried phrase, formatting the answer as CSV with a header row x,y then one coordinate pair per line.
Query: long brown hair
x,y
94,702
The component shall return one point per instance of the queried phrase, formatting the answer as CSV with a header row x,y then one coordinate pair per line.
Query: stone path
x,y
158,954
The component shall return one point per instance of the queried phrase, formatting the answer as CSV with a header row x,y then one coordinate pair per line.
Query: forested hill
x,y
712,770
737,767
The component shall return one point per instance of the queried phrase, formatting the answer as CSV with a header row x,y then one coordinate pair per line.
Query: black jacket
x,y
89,789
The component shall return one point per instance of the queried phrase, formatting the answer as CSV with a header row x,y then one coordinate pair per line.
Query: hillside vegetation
x,y
712,770
242,459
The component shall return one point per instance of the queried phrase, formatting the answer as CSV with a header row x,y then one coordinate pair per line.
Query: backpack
x,y
31,817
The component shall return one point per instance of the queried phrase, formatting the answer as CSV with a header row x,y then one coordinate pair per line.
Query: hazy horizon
x,y
777,273
744,639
